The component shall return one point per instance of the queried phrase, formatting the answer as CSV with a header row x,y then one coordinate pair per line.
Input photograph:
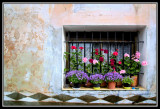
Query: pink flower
x,y
119,62
126,55
137,55
136,60
144,63
122,71
85,59
95,61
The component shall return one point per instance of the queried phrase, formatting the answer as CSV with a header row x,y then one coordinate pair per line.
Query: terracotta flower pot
x,y
111,85
119,84
88,84
103,84
82,84
135,81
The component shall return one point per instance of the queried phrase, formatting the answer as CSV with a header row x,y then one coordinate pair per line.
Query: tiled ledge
x,y
104,89
25,98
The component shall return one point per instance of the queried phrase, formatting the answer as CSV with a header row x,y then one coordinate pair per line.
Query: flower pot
x,y
119,84
82,84
103,84
111,85
88,84
76,85
96,86
135,80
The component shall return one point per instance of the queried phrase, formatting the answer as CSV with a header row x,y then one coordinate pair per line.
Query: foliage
x,y
77,76
96,78
127,80
113,77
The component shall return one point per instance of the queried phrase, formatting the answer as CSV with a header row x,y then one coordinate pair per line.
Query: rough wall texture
x,y
33,41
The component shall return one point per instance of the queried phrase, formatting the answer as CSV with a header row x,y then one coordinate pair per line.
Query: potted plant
x,y
127,82
76,78
96,80
112,78
95,62
74,63
135,67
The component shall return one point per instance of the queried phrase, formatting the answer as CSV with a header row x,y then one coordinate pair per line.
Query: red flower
x,y
91,60
73,47
116,49
112,60
113,68
102,49
81,48
105,51
112,63
101,59
96,53
115,53
96,50
119,62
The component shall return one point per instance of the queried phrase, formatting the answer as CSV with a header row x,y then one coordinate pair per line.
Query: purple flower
x,y
96,77
79,74
113,76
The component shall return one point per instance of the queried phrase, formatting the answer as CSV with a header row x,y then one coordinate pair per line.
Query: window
x,y
124,41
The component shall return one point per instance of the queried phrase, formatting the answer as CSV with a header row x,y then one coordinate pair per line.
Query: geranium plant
x,y
74,63
76,76
97,60
133,65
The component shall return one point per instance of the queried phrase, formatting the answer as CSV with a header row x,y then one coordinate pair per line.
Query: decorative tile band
x,y
18,98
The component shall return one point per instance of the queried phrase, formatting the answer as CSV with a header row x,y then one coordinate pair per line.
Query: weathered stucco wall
x,y
33,41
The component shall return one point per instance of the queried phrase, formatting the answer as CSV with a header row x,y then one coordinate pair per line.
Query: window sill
x,y
105,89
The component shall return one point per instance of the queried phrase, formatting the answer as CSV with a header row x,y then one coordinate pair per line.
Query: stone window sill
x,y
103,89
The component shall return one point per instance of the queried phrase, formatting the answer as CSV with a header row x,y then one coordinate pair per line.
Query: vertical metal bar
x,y
138,51
130,45
100,51
84,49
69,49
92,52
137,42
108,50
134,45
115,42
123,48
115,50
77,44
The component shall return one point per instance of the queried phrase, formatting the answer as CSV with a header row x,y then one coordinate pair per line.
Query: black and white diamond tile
x,y
112,98
28,99
124,101
76,100
147,102
41,98
51,100
100,101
